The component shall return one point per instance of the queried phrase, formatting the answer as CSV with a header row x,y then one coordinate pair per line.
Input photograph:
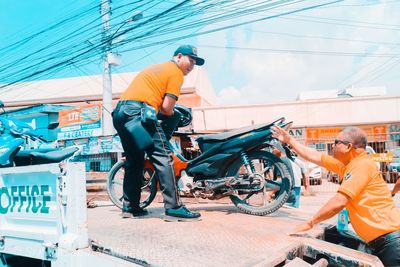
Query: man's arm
x,y
332,207
303,151
168,104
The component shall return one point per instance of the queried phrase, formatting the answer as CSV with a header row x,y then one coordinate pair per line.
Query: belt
x,y
379,241
128,102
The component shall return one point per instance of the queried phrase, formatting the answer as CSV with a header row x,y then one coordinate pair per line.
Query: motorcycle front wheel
x,y
278,183
115,182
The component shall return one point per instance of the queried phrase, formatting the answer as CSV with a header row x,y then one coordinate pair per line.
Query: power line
x,y
338,23
225,27
324,37
305,52
172,20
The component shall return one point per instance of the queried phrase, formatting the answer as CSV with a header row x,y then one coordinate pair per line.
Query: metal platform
x,y
224,236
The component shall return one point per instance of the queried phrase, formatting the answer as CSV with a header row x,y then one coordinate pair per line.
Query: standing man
x,y
155,88
297,170
363,192
301,174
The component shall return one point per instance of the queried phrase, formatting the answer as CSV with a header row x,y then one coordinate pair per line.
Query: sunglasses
x,y
344,142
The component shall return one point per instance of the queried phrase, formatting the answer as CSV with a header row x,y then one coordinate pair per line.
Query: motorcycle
x,y
237,164
15,133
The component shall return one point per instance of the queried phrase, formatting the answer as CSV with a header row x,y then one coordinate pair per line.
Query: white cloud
x,y
243,76
231,95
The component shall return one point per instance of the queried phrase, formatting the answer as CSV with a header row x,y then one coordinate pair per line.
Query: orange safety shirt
x,y
372,211
153,83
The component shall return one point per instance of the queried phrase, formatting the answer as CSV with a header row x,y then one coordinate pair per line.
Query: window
x,y
379,147
94,166
320,146
98,162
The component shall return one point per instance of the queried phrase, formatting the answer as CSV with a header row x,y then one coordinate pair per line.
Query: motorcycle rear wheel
x,y
266,200
115,181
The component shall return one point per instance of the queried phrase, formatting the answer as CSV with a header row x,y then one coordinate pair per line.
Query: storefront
x,y
81,126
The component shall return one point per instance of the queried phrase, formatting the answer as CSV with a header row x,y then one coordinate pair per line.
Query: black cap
x,y
191,51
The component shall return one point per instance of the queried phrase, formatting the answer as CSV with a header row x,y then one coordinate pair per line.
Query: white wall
x,y
309,113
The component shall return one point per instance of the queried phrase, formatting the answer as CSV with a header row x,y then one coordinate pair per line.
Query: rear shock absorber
x,y
247,162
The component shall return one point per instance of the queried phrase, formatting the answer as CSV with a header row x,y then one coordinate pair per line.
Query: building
x,y
76,104
316,119
196,90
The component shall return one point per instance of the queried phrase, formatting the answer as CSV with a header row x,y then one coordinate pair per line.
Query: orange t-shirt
x,y
153,83
372,211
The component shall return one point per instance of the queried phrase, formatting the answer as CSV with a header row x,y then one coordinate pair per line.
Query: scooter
x,y
15,133
236,164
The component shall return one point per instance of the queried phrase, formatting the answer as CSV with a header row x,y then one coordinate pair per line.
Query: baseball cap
x,y
191,51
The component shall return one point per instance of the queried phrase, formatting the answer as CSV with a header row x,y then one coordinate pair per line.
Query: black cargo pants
x,y
387,249
159,154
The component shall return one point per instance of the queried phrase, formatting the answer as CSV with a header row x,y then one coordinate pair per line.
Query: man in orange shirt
x,y
157,87
363,192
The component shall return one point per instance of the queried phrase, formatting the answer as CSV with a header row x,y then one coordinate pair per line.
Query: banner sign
x,y
95,145
298,133
374,132
80,122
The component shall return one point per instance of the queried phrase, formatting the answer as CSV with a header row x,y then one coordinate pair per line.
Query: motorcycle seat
x,y
53,156
205,142
28,152
225,135
234,133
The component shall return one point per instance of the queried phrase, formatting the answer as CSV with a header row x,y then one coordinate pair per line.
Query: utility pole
x,y
110,59
107,124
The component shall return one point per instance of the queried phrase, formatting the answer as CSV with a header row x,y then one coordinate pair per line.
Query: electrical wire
x,y
173,20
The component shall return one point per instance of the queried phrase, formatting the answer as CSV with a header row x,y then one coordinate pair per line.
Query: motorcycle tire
x,y
270,202
115,181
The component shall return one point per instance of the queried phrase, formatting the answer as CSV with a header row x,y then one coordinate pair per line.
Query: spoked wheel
x,y
275,192
115,181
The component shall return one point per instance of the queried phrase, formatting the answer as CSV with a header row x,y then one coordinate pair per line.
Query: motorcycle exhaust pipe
x,y
227,182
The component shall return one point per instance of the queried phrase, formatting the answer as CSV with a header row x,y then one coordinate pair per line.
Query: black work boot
x,y
181,214
129,212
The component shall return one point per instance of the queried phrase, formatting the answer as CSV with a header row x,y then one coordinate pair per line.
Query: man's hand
x,y
302,228
282,135
303,151
167,106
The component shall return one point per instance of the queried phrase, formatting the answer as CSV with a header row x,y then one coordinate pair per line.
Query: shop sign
x,y
322,133
297,133
81,122
383,157
374,133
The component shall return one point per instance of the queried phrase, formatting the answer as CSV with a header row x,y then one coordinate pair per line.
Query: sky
x,y
346,44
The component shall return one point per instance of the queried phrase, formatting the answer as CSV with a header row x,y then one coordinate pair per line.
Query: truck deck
x,y
224,236
47,219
